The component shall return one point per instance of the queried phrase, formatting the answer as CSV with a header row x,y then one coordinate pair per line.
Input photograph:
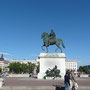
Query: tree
x,y
38,68
31,67
82,69
24,68
17,67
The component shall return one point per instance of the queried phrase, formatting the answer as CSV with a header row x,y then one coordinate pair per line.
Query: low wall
x,y
18,75
40,88
29,88
84,75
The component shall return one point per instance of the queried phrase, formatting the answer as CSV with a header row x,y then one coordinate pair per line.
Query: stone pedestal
x,y
49,60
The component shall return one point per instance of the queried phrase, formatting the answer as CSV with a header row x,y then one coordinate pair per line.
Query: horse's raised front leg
x,y
42,47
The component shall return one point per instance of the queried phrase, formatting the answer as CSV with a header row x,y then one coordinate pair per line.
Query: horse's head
x,y
44,35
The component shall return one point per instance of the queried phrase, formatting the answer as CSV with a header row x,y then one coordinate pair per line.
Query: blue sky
x,y
23,21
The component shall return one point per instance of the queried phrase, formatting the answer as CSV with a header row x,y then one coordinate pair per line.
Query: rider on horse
x,y
52,36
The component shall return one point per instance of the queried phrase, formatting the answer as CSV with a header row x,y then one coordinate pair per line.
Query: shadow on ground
x,y
59,87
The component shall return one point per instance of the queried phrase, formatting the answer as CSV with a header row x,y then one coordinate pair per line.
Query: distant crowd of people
x,y
69,81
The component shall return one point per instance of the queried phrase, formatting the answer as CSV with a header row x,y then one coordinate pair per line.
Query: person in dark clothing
x,y
67,80
52,34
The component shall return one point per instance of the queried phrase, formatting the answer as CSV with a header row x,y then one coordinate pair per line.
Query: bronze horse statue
x,y
47,41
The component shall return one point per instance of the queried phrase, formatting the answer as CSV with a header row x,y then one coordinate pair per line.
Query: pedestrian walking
x,y
67,80
73,83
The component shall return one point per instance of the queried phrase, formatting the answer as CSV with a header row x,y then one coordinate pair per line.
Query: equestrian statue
x,y
51,40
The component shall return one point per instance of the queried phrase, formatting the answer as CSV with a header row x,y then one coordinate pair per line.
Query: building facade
x,y
24,61
3,64
71,65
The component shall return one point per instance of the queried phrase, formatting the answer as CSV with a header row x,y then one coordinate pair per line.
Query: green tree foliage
x,y
24,68
82,69
31,67
19,68
38,67
15,67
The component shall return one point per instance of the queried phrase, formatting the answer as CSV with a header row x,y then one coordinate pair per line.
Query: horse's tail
x,y
62,43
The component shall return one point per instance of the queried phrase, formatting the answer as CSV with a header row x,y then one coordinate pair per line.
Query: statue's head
x,y
51,30
55,66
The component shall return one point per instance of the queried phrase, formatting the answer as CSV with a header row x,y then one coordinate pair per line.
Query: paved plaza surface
x,y
19,81
28,82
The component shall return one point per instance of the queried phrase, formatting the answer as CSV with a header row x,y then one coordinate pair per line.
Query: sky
x,y
22,23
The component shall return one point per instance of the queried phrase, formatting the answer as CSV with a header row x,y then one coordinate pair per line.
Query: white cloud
x,y
8,59
5,53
